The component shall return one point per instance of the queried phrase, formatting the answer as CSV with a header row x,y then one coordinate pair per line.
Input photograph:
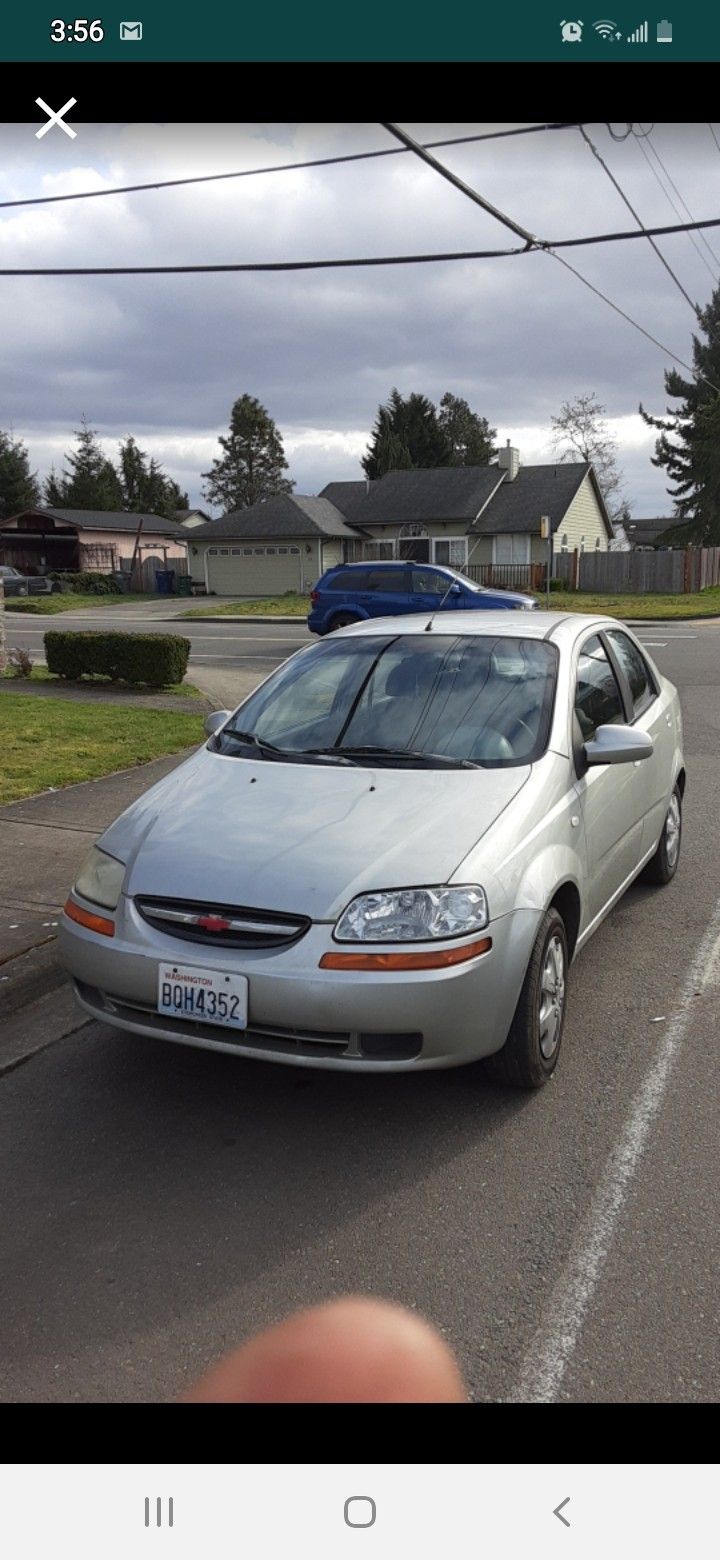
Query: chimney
x,y
509,461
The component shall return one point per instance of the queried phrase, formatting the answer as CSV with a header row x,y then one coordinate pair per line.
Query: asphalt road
x,y
160,1204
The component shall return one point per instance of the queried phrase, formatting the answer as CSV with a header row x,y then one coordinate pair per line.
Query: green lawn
x,y
290,605
49,606
183,690
49,742
703,603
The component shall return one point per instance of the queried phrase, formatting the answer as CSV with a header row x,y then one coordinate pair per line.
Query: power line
x,y
638,219
354,262
683,202
674,205
250,173
549,249
465,189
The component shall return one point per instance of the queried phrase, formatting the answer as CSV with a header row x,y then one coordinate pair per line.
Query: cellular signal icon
x,y
640,35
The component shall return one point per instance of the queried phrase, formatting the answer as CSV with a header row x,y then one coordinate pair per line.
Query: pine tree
x,y
91,482
406,429
253,461
470,437
689,442
145,487
19,487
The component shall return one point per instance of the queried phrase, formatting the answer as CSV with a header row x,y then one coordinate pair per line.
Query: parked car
x,y
389,855
353,592
17,584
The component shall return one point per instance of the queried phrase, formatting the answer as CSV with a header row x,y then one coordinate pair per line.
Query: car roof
x,y
561,627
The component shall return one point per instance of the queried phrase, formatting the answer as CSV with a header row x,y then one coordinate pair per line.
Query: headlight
x,y
413,915
100,878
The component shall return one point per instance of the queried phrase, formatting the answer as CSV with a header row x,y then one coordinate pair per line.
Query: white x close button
x,y
55,118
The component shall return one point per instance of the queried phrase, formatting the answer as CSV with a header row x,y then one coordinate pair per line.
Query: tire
x,y
662,867
530,1053
341,620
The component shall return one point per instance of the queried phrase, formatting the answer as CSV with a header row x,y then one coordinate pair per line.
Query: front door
x,y
610,796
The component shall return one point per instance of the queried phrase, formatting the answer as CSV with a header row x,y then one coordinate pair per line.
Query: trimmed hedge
x,y
159,660
88,582
559,584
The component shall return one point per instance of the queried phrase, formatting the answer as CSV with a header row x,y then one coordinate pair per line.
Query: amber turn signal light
x,y
438,959
93,923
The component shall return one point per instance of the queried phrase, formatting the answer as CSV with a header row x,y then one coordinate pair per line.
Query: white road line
x,y
554,1343
654,644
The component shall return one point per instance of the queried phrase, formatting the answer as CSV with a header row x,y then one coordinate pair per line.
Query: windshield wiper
x,y
252,739
405,753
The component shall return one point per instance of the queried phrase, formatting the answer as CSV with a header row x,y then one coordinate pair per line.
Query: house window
x,y
597,541
511,549
259,552
582,543
236,552
564,542
414,542
224,552
271,551
451,550
247,552
295,551
282,552
213,552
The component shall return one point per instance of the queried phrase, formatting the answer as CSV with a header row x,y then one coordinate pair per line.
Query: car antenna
x,y
438,608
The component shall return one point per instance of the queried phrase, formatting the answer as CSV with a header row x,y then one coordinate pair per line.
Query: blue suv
x,y
352,592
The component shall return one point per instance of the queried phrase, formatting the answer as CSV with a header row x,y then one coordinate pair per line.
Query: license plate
x,y
209,996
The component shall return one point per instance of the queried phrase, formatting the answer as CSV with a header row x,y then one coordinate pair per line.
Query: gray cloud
x,y
164,357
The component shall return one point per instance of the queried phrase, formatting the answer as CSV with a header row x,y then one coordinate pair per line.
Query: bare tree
x,y
580,431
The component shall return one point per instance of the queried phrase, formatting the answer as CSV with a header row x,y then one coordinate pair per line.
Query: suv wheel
x,y
530,1053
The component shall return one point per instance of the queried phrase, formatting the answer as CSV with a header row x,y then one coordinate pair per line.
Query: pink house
x,y
37,541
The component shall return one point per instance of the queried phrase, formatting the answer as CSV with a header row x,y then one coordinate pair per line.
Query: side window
x,y
348,581
633,664
425,582
384,582
597,695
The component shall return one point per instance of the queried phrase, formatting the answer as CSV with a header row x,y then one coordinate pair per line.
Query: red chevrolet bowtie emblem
x,y
213,923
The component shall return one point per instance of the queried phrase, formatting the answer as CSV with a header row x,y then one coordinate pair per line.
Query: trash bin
x,y
164,581
183,585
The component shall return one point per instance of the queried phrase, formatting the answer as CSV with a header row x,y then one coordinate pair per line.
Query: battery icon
x,y
664,32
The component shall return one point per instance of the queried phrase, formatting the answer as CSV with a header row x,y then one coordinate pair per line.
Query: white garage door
x,y
253,571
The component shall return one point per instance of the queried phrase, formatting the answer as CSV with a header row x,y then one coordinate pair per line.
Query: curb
x,y
33,973
233,617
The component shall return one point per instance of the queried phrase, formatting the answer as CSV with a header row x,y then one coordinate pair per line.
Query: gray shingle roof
x,y
648,531
286,515
347,496
428,493
111,520
536,491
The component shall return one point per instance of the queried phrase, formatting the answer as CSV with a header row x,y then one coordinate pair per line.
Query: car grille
x,y
223,926
351,1045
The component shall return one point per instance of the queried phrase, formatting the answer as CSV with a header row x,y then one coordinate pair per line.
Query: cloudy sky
x,y
163,358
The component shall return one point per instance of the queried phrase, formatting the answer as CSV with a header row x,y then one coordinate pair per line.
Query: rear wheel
x,y
662,867
341,620
530,1053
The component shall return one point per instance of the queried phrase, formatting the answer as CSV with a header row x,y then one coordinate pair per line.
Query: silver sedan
x,y
387,857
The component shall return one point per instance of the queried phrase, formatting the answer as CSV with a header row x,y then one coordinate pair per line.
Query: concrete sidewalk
x,y
44,839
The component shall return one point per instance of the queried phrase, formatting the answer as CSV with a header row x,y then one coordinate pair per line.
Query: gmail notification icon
x,y
130,32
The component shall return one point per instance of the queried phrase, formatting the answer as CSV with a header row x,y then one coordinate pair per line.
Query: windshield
x,y
423,699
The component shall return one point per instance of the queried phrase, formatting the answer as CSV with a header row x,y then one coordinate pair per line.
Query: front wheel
x,y
530,1053
662,867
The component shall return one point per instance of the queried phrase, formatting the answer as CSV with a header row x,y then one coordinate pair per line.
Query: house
x,y
647,535
283,544
483,519
42,540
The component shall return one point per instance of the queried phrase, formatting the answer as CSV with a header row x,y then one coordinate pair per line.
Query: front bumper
x,y
301,1014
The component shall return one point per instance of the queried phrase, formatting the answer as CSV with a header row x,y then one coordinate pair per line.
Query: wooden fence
x,y
675,571
507,576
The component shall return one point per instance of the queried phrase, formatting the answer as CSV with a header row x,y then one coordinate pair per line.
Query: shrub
x,y
157,660
24,605
89,583
20,662
559,584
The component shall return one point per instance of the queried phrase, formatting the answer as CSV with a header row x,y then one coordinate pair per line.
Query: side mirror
x,y
215,720
618,745
455,589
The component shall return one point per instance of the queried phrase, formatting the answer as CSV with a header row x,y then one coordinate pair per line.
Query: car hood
x,y
303,838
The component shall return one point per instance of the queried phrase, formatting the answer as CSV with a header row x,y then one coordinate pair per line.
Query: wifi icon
x,y
606,29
